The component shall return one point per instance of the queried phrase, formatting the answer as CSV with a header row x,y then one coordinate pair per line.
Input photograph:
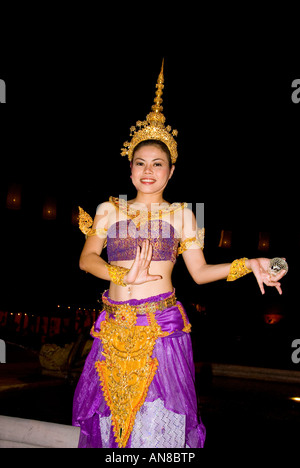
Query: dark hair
x,y
159,144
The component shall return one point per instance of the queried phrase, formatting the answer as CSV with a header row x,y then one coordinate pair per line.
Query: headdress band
x,y
153,128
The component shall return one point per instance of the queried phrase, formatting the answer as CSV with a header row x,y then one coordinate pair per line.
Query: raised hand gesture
x,y
139,272
260,268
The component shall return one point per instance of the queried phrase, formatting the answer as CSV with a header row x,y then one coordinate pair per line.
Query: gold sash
x,y
128,369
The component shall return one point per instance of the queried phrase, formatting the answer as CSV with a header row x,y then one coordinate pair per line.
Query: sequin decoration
x,y
85,226
238,269
123,238
140,217
197,241
117,274
128,369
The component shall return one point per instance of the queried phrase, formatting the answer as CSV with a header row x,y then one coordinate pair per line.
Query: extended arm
x,y
202,273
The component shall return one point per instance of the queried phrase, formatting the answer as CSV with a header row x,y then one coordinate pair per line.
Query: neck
x,y
149,199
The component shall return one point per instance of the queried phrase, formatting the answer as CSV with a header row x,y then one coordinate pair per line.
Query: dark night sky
x,y
70,104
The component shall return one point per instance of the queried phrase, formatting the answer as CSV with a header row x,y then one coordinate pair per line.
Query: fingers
x,y
154,277
138,273
146,252
149,254
258,275
260,268
271,281
268,280
144,248
279,275
147,259
263,277
261,285
138,253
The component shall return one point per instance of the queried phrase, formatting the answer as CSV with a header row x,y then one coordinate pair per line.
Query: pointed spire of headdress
x,y
153,127
157,107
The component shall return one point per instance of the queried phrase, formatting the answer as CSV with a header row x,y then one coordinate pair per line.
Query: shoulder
x,y
106,208
187,211
189,223
188,216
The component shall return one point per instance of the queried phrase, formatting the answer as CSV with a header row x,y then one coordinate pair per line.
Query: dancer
x,y
137,386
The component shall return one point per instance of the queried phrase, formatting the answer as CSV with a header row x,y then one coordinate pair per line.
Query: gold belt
x,y
141,309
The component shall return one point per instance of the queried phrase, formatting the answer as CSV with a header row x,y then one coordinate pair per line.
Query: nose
x,y
148,169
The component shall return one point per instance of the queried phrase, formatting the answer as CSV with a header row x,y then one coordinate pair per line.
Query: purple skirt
x,y
168,417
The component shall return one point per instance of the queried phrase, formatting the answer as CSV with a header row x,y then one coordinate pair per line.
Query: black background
x,y
77,80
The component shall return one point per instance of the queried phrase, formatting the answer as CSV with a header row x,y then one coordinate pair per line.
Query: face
x,y
150,171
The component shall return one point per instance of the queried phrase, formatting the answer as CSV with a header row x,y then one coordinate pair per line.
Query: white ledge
x,y
28,433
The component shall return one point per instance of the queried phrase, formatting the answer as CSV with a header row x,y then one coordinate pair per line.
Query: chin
x,y
145,188
156,187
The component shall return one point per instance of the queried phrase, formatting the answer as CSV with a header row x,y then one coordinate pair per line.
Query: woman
x,y
137,386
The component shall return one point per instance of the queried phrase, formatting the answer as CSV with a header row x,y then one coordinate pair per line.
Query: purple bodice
x,y
124,236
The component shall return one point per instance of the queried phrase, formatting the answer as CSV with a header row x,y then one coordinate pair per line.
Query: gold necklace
x,y
142,216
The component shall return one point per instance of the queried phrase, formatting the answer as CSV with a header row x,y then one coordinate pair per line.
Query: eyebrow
x,y
156,159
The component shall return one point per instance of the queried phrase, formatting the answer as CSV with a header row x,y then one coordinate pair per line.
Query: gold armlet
x,y
238,269
101,232
117,273
186,244
197,240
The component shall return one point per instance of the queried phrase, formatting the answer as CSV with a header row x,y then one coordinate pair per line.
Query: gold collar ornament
x,y
153,128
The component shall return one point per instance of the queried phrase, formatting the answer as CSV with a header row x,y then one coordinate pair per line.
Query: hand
x,y
138,273
260,267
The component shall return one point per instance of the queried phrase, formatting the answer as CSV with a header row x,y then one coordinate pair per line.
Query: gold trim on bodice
x,y
143,216
140,217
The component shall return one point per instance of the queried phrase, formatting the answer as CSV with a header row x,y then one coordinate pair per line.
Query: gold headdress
x,y
153,127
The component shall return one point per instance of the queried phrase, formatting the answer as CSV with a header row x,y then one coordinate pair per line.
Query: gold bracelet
x,y
117,274
238,269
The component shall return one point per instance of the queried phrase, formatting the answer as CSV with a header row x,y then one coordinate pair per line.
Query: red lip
x,y
147,180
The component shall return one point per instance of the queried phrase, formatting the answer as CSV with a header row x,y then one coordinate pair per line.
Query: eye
x,y
157,164
139,163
